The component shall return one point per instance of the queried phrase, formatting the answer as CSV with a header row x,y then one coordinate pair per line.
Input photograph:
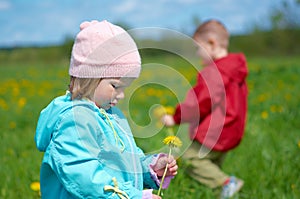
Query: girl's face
x,y
110,90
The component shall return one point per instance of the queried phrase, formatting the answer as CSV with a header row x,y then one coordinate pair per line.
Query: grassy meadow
x,y
268,158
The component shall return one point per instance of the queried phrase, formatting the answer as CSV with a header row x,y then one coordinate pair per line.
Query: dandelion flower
x,y
170,110
293,186
35,186
173,141
12,125
264,115
161,110
3,104
22,102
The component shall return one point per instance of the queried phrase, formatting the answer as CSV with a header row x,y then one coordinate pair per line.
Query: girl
x,y
89,149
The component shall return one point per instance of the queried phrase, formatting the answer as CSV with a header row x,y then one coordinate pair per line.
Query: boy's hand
x,y
168,120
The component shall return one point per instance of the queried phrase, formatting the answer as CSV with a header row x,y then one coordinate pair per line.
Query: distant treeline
x,y
272,43
259,43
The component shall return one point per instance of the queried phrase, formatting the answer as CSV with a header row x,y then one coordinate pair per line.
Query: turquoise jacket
x,y
85,148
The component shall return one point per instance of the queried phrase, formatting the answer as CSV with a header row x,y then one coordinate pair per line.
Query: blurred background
x,y
272,24
35,47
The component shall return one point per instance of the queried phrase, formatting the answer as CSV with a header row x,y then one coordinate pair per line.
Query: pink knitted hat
x,y
104,50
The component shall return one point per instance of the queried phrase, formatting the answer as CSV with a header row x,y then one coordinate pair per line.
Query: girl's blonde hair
x,y
83,87
213,28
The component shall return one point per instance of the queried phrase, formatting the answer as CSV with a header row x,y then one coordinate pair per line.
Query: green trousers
x,y
205,165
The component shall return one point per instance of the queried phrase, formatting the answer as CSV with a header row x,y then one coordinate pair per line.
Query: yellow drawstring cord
x,y
116,189
117,137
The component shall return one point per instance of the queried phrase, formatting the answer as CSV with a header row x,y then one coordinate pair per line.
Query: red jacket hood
x,y
233,66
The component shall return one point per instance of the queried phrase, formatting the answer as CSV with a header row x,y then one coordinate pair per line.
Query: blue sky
x,y
47,22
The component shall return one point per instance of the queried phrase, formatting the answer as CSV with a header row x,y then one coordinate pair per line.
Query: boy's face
x,y
204,51
109,91
209,49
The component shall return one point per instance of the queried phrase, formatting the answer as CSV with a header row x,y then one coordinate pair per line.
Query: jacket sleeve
x,y
74,158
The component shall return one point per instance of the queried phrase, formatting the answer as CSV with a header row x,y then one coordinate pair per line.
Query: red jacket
x,y
216,106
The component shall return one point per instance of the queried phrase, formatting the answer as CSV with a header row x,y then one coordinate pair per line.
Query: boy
x,y
215,108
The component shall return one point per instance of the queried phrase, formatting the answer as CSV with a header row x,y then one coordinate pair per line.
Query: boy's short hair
x,y
213,28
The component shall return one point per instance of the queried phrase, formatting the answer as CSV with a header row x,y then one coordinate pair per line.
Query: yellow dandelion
x,y
3,104
161,110
25,83
278,109
293,186
10,152
264,115
21,102
172,141
159,93
151,92
3,89
262,97
15,91
280,84
170,110
12,125
41,92
35,186
288,97
299,143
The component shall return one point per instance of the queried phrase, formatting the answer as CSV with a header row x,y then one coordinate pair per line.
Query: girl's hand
x,y
168,120
161,163
155,196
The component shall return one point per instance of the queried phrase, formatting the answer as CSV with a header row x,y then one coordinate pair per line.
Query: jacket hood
x,y
233,66
48,119
50,116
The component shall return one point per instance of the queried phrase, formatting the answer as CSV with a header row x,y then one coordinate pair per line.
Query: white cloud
x,y
4,5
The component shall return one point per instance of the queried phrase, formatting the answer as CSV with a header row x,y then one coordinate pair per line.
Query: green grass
x,y
267,159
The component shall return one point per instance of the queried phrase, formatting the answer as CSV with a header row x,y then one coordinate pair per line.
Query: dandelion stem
x,y
170,131
165,172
